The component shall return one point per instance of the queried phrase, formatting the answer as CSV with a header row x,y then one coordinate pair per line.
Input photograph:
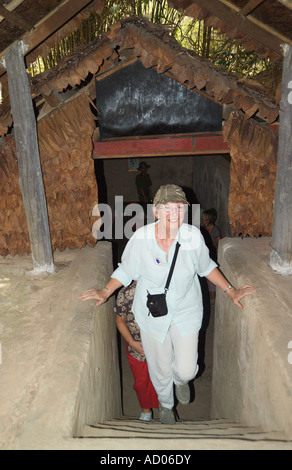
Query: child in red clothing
x,y
130,331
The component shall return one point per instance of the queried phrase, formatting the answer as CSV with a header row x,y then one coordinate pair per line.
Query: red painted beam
x,y
211,144
191,145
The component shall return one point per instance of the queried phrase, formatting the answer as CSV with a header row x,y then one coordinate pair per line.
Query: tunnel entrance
x,y
204,178
126,99
201,387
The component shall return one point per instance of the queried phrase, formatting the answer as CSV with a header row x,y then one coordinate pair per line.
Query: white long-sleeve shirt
x,y
144,261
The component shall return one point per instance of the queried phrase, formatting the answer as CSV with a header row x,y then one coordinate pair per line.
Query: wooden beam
x,y
281,247
250,26
115,68
196,90
250,6
12,5
30,173
3,32
49,25
15,19
286,3
190,145
163,136
53,21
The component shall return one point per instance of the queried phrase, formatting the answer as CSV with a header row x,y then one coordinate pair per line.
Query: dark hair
x,y
211,215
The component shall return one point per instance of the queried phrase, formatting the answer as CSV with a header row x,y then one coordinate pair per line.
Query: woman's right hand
x,y
100,295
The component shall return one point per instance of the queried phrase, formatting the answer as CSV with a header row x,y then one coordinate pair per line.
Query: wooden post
x,y
30,174
281,249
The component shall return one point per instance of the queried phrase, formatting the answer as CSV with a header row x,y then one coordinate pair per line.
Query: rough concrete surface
x,y
38,318
54,377
252,372
47,338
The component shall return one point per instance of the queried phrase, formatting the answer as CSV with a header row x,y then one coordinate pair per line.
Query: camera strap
x,y
171,267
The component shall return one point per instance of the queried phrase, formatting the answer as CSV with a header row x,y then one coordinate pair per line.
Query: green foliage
x,y
190,33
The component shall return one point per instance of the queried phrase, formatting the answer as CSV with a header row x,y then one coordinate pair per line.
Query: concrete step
x,y
209,429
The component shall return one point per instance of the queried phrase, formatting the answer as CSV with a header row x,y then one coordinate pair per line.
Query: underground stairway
x,y
194,420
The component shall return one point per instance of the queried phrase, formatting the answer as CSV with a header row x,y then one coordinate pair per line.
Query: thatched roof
x,y
138,39
260,25
41,22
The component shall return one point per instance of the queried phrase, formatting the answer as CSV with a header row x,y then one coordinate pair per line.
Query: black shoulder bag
x,y
156,303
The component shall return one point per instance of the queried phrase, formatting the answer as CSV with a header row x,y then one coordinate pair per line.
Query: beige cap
x,y
169,193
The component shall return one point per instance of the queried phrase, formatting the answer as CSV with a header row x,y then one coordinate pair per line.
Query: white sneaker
x,y
145,416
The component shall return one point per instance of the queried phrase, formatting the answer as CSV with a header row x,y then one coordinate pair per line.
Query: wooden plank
x,y
11,6
281,247
160,147
212,144
196,90
50,24
250,6
15,19
260,32
163,136
115,68
4,32
286,3
29,167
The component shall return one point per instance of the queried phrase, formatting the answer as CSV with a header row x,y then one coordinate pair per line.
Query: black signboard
x,y
136,101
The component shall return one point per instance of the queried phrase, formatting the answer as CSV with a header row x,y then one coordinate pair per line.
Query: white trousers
x,y
171,362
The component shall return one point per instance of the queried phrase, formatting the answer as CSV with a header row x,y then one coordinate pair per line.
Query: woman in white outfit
x,y
170,341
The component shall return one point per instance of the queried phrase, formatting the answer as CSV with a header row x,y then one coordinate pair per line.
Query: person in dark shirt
x,y
144,185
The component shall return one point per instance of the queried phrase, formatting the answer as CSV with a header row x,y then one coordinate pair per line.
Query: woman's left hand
x,y
237,294
137,346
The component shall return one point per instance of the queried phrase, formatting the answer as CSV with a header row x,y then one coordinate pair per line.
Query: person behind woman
x,y
144,185
209,218
130,331
170,341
